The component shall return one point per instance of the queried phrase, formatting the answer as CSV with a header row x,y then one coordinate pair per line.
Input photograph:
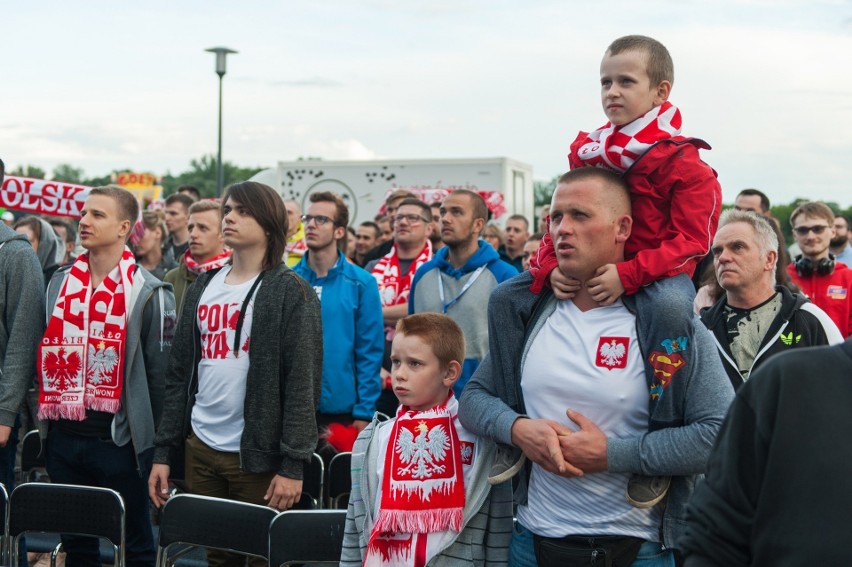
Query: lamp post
x,y
221,53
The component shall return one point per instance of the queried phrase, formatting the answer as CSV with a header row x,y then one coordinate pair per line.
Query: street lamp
x,y
221,53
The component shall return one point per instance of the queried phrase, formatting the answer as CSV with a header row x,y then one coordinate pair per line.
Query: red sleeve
x,y
682,239
542,263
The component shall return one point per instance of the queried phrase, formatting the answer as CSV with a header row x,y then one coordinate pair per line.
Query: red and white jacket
x,y
676,201
831,293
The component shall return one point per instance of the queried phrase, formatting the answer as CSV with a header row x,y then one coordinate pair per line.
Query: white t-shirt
x,y
589,362
217,416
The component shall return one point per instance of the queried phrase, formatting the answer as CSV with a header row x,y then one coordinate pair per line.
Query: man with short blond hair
x,y
206,248
102,363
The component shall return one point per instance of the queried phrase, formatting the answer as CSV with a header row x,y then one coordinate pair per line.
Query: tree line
x,y
202,174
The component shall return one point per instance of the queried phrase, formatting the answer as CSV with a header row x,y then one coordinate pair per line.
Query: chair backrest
x,y
67,509
32,456
214,522
313,480
339,480
306,536
4,540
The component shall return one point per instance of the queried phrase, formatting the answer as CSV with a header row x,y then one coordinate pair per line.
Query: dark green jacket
x,y
283,381
180,278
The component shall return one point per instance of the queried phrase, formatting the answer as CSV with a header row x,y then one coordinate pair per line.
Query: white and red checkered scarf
x,y
394,287
422,497
81,355
214,262
616,148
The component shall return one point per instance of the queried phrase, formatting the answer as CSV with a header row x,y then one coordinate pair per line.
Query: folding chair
x,y
5,555
32,457
339,480
313,480
67,509
306,536
202,521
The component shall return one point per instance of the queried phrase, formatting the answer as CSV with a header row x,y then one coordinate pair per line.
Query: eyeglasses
x,y
804,230
321,219
412,219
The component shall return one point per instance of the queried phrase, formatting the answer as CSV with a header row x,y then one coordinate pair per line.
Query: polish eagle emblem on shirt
x,y
612,352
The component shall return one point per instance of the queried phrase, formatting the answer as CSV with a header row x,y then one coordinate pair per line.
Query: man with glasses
x,y
391,205
394,272
826,282
353,340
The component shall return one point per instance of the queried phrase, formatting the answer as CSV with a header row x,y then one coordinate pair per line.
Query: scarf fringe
x,y
57,411
419,521
101,404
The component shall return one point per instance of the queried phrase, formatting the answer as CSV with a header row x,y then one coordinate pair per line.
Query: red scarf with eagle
x,y
422,490
81,355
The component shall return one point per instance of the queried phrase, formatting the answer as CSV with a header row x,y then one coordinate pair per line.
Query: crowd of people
x,y
223,342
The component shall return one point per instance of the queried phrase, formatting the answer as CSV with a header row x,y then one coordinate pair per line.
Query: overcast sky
x,y
106,85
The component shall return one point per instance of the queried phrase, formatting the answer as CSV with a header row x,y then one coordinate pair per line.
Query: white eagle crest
x,y
612,352
101,363
422,454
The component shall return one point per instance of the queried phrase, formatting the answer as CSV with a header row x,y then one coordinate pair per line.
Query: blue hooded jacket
x,y
352,335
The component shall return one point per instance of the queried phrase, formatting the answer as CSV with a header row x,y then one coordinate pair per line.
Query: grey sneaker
x,y
507,463
646,491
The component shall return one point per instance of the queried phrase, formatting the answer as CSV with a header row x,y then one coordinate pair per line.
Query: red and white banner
x,y
43,197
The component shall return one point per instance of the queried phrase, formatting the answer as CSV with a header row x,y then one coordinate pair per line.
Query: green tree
x,y
68,173
28,171
543,191
202,174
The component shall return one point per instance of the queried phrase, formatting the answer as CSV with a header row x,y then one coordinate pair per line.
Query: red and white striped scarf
x,y
81,355
617,147
422,488
198,269
393,286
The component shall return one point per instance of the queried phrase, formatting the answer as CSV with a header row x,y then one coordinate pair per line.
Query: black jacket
x,y
799,323
777,486
283,381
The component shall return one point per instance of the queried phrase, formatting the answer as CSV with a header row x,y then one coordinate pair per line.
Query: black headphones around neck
x,y
805,267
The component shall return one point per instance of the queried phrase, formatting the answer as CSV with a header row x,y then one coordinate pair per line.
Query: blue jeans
x,y
74,459
522,551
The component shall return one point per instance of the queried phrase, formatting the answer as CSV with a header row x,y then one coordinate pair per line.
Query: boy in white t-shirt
x,y
419,481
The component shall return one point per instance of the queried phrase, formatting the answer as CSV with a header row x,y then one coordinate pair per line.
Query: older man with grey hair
x,y
756,319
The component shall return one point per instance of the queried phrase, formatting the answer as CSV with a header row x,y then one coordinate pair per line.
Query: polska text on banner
x,y
43,197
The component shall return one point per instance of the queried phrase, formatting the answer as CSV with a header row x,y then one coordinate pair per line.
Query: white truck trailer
x,y
365,184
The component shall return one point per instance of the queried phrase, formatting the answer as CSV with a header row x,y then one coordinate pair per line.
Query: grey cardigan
x,y
21,322
282,384
492,400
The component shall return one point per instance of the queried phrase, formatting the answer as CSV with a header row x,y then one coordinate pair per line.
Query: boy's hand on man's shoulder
x,y
606,286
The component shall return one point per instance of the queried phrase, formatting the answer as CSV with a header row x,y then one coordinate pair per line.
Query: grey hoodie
x,y
150,328
50,250
21,324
